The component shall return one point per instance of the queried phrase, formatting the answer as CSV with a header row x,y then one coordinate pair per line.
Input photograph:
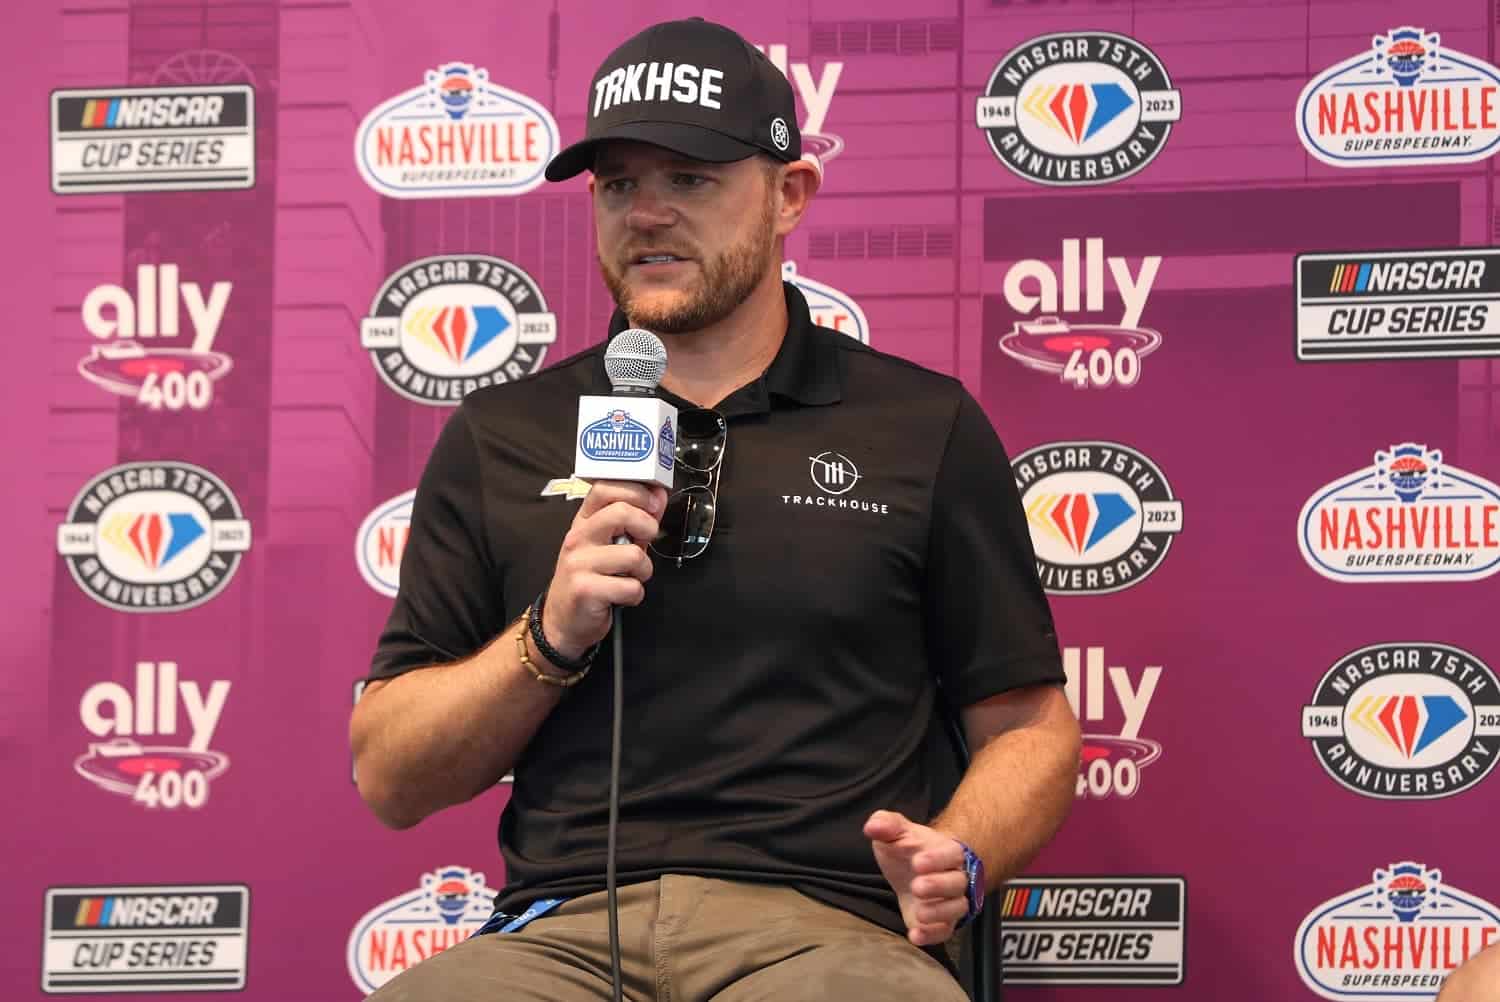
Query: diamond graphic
x,y
458,332
1079,520
1408,724
153,538
1078,111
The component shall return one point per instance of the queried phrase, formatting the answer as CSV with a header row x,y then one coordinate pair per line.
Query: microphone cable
x,y
614,804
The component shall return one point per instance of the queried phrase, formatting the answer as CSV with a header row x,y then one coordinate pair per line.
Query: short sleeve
x,y
449,604
989,628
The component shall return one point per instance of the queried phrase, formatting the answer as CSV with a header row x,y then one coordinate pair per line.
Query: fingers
x,y
945,854
937,913
941,886
886,826
929,935
603,493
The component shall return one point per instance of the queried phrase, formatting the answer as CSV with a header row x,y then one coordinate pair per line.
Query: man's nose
x,y
648,210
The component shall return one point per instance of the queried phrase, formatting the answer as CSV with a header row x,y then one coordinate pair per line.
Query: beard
x,y
724,281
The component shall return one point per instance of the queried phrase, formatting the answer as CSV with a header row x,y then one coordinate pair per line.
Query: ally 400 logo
x,y
140,356
164,772
154,537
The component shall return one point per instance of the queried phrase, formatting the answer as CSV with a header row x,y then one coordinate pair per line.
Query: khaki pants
x,y
685,939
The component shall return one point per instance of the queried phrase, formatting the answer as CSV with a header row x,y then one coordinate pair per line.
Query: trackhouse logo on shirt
x,y
445,326
835,476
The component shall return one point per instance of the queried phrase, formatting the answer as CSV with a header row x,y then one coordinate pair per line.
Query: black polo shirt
x,y
780,687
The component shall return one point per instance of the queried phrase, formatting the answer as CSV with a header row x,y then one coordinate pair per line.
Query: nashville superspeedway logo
x,y
154,537
1398,936
445,326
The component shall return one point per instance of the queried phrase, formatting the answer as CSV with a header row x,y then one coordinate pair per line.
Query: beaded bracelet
x,y
559,680
546,650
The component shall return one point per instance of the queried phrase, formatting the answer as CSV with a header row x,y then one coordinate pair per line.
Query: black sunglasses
x,y
687,524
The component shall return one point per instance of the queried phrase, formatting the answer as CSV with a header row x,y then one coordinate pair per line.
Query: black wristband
x,y
549,652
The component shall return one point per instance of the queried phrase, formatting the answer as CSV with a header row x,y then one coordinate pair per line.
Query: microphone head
x,y
635,361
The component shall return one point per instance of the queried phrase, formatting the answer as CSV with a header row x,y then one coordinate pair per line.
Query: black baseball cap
x,y
693,87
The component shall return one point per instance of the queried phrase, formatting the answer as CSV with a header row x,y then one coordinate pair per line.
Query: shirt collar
x,y
807,369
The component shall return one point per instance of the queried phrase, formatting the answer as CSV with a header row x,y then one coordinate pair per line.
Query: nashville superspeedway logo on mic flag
x,y
178,938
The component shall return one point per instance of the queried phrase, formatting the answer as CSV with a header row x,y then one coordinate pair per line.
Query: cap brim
x,y
691,141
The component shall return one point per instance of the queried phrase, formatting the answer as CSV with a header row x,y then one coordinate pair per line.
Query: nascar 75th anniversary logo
x,y
154,536
1078,108
1398,304
1406,721
444,326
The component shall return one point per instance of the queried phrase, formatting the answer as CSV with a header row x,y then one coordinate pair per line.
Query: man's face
x,y
681,243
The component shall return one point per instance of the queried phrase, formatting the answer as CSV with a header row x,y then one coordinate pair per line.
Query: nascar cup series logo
x,y
381,541
157,773
1405,100
445,326
1082,354
1410,721
140,356
1116,930
1078,108
457,135
451,903
154,537
1408,517
1397,937
146,938
1102,515
828,306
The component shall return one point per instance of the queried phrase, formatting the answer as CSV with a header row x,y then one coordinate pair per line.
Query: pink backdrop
x,y
202,745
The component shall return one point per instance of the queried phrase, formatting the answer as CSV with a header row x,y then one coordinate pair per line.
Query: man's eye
x,y
689,180
618,186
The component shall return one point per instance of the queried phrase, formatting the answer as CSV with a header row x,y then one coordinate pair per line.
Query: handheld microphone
x,y
629,435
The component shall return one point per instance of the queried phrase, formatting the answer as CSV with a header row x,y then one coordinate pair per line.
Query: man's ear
x,y
799,183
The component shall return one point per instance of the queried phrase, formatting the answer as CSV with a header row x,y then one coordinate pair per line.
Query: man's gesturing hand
x,y
926,870
593,575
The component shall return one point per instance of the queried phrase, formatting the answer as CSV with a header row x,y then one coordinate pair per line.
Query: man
x,y
848,539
